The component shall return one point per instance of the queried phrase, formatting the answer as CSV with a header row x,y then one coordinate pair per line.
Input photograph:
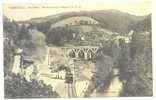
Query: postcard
x,y
78,50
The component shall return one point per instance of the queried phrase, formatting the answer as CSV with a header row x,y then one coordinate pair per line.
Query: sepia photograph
x,y
78,50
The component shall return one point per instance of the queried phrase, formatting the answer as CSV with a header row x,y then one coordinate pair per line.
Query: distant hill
x,y
79,20
113,20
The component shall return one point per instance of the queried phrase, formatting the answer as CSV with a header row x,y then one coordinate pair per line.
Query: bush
x,y
18,87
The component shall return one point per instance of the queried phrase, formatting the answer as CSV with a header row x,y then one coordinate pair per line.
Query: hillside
x,y
80,20
113,20
87,27
91,24
86,34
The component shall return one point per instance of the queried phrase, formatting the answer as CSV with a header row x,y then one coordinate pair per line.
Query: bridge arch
x,y
81,54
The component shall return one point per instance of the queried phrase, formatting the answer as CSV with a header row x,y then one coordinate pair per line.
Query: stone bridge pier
x,y
76,52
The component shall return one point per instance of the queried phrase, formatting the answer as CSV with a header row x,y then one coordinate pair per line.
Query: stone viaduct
x,y
85,52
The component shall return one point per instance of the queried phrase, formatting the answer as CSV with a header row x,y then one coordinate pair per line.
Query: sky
x,y
27,11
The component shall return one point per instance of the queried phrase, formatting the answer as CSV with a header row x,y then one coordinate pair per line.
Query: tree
x,y
35,45
18,87
140,81
102,74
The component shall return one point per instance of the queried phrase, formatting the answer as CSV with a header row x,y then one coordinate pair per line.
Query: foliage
x,y
20,36
59,36
101,74
34,45
144,25
18,87
139,83
10,37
